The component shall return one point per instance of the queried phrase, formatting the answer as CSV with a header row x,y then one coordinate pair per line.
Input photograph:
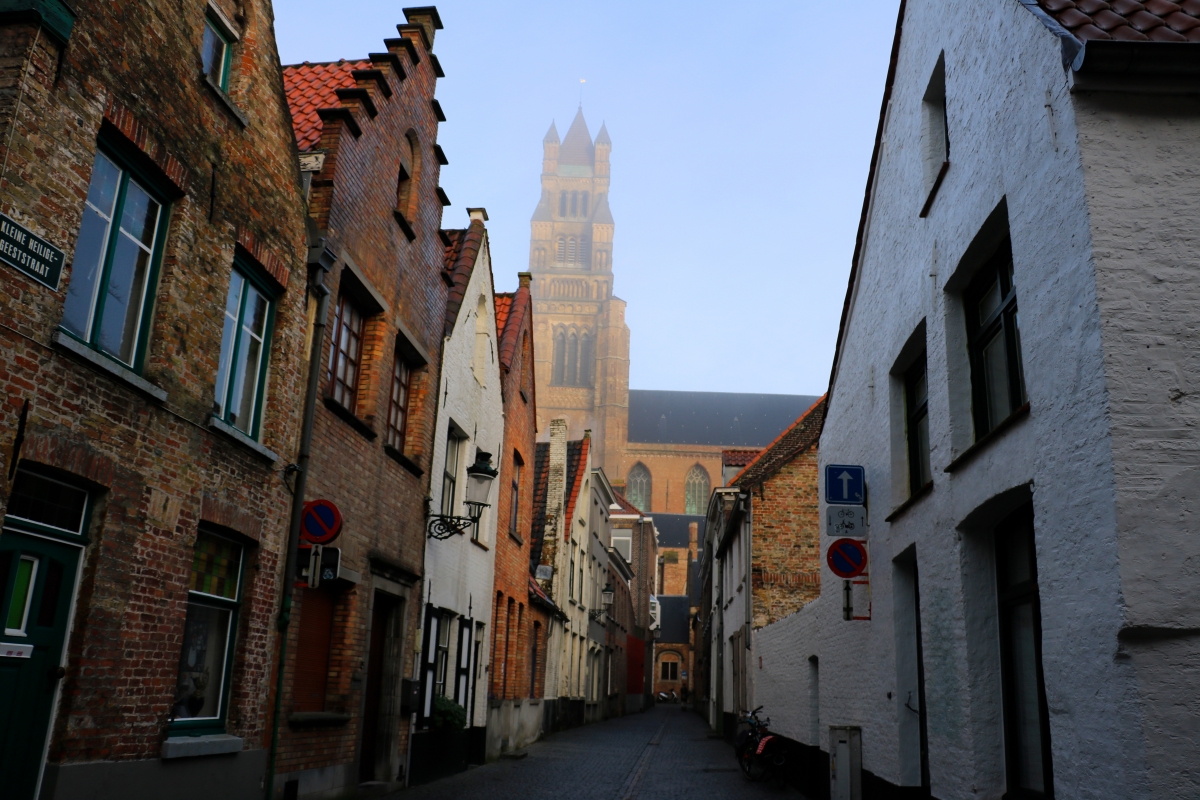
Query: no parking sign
x,y
847,558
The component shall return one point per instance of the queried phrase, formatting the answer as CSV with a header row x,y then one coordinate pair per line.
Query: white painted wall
x,y
1104,242
459,573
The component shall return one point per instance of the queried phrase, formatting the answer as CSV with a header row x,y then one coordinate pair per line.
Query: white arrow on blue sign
x,y
845,485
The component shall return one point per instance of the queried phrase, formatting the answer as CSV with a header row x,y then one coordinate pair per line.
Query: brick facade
x,y
367,119
138,436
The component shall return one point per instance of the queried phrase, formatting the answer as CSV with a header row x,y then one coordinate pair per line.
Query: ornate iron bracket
x,y
441,527
597,614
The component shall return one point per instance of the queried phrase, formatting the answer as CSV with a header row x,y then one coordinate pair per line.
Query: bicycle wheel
x,y
752,766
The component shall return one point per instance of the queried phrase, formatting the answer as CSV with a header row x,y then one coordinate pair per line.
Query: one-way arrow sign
x,y
845,485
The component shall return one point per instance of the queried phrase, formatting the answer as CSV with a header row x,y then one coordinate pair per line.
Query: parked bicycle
x,y
760,754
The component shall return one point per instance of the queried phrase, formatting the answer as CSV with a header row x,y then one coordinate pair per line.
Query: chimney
x,y
478,214
524,278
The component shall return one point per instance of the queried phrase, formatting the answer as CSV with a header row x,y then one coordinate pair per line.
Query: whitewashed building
x,y
459,569
1031,627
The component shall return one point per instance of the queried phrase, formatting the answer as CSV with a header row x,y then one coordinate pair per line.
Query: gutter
x,y
320,261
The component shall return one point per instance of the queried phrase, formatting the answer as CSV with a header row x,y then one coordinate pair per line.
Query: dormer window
x,y
216,53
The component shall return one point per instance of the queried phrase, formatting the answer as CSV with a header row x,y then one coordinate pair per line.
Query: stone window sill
x,y
403,460
520,542
909,503
409,233
106,364
480,544
237,113
937,184
349,417
991,436
218,424
192,746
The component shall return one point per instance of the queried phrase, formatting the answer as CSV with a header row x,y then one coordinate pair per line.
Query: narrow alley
x,y
663,754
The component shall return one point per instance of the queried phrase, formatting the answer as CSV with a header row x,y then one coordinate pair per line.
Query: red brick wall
x,y
512,553
381,499
786,551
156,469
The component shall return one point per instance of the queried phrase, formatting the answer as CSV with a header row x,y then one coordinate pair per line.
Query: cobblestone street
x,y
660,755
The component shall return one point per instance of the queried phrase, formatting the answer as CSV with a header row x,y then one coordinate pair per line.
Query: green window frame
x,y
117,259
201,704
216,53
247,330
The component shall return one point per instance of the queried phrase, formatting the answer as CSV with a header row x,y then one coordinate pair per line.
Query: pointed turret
x,y
603,148
550,151
577,147
602,136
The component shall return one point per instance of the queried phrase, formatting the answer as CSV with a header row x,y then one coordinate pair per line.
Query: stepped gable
x,y
800,436
1127,20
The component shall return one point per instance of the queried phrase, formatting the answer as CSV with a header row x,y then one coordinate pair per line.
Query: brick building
x,y
358,125
635,539
663,447
520,616
678,537
761,560
152,373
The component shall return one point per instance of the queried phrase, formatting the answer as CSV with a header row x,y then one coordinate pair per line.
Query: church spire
x,y
577,146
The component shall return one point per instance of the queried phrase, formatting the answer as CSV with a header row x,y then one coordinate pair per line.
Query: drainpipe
x,y
320,262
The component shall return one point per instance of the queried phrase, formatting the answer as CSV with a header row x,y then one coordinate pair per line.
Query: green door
x,y
37,583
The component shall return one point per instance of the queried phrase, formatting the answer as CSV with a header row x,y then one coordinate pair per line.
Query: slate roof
x,y
674,617
1128,20
673,529
711,418
312,87
459,260
800,436
577,147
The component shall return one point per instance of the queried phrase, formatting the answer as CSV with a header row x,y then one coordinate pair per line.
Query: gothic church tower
x,y
581,341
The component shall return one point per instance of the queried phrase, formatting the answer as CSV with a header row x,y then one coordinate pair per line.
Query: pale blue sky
x,y
741,140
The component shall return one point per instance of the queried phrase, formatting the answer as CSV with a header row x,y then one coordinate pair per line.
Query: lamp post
x,y
606,596
479,485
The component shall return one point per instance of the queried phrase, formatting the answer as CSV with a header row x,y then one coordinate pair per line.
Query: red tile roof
x,y
1128,20
312,87
512,309
577,453
738,458
459,261
802,435
504,301
626,506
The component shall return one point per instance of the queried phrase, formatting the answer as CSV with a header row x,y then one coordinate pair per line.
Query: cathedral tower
x,y
581,341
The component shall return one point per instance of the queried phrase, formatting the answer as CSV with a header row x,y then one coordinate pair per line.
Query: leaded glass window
x,y
696,488
637,487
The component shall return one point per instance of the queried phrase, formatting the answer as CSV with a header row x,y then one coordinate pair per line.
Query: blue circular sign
x,y
847,558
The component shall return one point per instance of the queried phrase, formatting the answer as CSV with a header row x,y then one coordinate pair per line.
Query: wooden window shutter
x,y
311,676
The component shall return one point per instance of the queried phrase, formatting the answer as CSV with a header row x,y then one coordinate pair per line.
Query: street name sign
x,y
845,485
846,521
30,254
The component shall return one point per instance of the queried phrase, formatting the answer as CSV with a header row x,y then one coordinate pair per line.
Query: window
x,y
345,354
245,343
46,502
514,510
574,204
571,577
637,487
562,208
214,594
442,656
574,359
560,358
408,176
994,341
583,204
450,473
935,136
696,487
916,408
1026,720
216,54
572,252
571,373
669,670
533,658
108,299
585,360
623,545
397,421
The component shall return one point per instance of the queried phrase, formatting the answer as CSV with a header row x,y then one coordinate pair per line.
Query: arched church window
x,y
583,203
562,249
571,375
696,489
586,359
562,204
574,204
560,357
572,252
637,487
